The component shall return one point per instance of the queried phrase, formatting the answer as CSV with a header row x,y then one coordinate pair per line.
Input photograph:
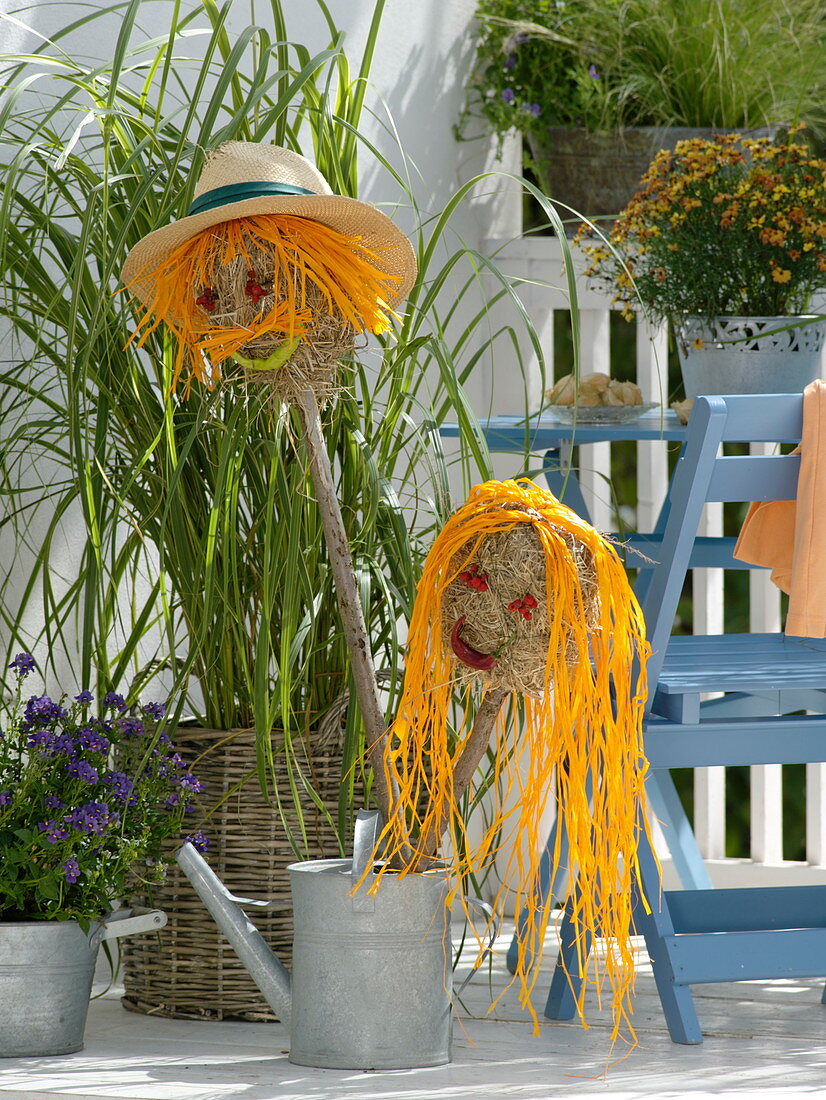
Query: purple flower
x,y
23,664
131,727
54,832
154,710
520,38
112,699
121,785
93,817
40,709
92,740
510,62
82,769
173,800
5,798
52,802
42,739
64,743
71,870
190,782
508,95
177,760
84,697
199,840
532,109
592,72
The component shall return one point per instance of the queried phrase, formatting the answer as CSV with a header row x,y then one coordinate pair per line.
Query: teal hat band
x,y
234,192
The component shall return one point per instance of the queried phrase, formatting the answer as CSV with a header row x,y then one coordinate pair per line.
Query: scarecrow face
x,y
284,296
495,610
295,335
269,299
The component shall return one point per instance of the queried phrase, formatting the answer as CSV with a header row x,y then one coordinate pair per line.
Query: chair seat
x,y
741,662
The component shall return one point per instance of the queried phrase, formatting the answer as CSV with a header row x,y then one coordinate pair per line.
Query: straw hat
x,y
244,178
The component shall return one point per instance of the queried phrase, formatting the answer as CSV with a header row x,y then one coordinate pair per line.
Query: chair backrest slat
x,y
762,418
754,477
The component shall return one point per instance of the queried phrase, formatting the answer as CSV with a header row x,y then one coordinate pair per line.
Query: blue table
x,y
543,432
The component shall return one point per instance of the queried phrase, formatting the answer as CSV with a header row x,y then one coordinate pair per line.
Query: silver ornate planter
x,y
749,354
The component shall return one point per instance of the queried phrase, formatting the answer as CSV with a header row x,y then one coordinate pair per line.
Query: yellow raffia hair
x,y
304,252
573,734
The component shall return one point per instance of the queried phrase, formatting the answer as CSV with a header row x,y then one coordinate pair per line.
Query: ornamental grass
x,y
733,226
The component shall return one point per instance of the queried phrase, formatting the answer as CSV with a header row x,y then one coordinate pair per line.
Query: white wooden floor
x,y
763,1039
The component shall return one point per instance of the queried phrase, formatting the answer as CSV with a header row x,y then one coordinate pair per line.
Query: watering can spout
x,y
267,972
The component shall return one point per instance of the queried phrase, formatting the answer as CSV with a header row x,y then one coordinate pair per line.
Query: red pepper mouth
x,y
466,653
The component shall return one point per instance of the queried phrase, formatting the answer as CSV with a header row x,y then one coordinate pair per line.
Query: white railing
x,y
537,263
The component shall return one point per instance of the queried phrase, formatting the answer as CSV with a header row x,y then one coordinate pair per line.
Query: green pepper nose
x,y
274,360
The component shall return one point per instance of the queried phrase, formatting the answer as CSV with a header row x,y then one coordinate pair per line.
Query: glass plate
x,y
598,414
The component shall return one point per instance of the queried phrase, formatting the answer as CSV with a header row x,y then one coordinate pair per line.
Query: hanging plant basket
x,y
596,174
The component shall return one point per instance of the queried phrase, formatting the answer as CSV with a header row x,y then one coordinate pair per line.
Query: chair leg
x,y
666,804
566,983
656,925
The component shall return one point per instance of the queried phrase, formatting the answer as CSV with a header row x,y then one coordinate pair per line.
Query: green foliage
x,y
536,67
601,64
720,227
74,818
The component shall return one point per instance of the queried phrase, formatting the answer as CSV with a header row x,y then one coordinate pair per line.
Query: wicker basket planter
x,y
188,970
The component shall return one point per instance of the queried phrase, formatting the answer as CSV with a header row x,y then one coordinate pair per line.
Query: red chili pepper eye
x,y
474,578
207,300
253,288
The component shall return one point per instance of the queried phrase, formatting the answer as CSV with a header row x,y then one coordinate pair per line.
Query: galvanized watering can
x,y
46,973
371,980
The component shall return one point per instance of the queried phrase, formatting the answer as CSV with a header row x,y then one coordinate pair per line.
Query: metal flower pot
x,y
46,973
749,354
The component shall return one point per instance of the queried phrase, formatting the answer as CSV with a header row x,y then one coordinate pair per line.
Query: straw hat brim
x,y
393,251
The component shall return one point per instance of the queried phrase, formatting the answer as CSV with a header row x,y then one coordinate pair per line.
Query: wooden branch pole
x,y
466,765
349,603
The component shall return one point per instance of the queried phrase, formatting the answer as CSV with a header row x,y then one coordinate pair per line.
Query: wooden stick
x,y
466,765
349,604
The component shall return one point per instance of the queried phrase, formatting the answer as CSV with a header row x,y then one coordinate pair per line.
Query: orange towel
x,y
789,536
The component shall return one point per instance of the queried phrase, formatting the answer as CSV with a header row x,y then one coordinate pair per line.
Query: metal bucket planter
x,y
749,354
46,973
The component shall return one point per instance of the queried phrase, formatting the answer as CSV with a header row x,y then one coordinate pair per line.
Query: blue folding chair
x,y
696,936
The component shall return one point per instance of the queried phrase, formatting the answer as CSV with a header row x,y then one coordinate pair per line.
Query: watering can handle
x,y
128,922
365,838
